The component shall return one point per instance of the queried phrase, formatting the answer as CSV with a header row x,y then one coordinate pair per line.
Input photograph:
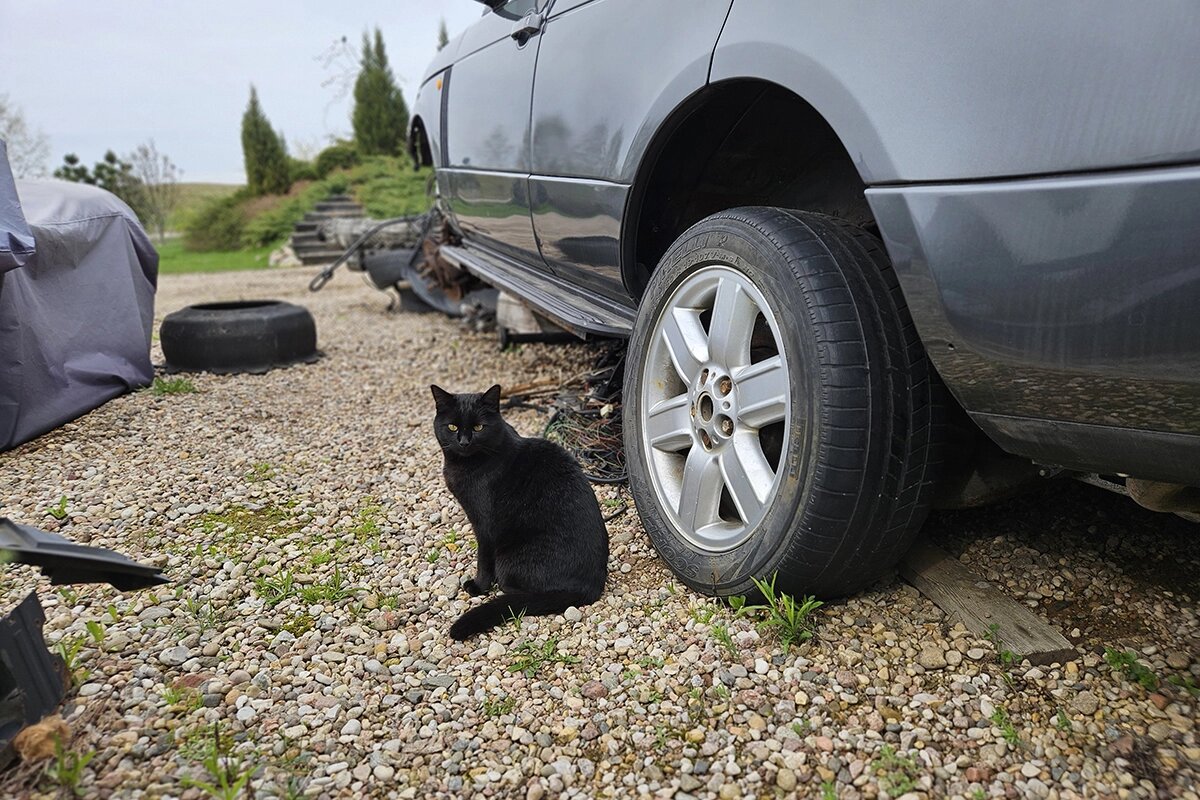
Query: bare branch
x,y
28,149
160,184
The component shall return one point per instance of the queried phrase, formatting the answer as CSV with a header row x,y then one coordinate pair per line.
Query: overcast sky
x,y
95,76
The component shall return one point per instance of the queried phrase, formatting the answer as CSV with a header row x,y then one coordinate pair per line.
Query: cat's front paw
x,y
472,588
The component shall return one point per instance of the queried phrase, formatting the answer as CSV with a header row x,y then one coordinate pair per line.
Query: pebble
x,y
174,656
1085,703
932,657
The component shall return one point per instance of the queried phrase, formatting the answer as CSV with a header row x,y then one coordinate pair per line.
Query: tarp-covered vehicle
x,y
77,282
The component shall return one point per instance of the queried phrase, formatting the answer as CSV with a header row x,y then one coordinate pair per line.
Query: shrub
x,y
341,155
389,187
301,170
218,225
276,223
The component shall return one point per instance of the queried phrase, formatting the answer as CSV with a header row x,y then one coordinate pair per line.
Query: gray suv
x,y
869,257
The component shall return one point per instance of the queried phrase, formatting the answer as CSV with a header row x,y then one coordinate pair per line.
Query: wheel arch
x,y
740,141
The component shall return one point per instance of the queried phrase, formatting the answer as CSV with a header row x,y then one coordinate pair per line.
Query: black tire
x,y
854,478
241,336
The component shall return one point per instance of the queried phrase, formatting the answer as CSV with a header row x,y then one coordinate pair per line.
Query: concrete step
x,y
318,216
340,205
318,252
312,259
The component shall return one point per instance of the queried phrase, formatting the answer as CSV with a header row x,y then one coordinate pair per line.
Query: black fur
x,y
538,527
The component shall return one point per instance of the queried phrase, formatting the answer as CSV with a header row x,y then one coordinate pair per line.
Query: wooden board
x,y
979,605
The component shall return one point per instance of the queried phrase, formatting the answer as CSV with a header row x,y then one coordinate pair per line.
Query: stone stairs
x,y
306,240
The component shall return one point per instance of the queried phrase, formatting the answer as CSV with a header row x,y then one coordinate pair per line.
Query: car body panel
x,y
578,225
486,154
929,91
615,78
1075,298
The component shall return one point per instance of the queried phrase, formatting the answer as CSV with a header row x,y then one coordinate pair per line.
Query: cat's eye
x,y
452,427
478,427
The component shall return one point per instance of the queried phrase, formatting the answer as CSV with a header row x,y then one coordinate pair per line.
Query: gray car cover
x,y
76,312
16,242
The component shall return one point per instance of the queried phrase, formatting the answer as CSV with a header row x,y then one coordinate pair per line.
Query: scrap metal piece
x,y
63,561
33,680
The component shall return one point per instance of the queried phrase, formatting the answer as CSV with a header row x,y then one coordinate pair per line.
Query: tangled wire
x,y
585,415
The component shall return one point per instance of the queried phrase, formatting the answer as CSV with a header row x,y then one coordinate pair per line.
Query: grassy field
x,y
194,195
173,259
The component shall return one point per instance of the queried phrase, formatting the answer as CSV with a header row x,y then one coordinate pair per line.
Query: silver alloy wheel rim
x,y
704,403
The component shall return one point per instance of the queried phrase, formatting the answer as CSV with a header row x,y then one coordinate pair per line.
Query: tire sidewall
x,y
727,242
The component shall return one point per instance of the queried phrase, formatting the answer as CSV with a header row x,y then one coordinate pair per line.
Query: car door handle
x,y
528,25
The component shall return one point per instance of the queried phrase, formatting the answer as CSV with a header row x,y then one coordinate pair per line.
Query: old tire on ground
x,y
780,414
240,336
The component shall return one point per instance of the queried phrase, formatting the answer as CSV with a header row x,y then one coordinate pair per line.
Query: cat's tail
x,y
498,610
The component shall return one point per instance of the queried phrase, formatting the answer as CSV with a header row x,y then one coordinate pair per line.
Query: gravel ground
x,y
315,557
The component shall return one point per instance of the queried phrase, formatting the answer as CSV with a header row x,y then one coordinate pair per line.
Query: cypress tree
x,y
443,35
380,115
264,152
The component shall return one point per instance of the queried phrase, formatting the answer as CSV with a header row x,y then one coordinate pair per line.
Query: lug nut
x,y
725,386
727,426
704,375
704,438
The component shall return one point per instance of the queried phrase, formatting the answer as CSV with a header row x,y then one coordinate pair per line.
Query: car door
x,y
609,72
487,132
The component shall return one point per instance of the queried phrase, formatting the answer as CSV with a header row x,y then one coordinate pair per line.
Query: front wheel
x,y
779,407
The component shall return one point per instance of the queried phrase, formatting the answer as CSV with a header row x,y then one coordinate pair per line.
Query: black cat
x,y
538,527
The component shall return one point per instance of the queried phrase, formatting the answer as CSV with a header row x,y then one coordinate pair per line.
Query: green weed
x,y
532,658
1005,657
165,386
828,790
329,591
1126,662
897,774
1007,731
721,633
787,618
262,471
66,769
59,510
1185,682
228,775
499,706
96,630
1062,721
275,590
69,648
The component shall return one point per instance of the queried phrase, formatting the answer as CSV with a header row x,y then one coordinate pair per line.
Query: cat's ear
x,y
492,397
441,398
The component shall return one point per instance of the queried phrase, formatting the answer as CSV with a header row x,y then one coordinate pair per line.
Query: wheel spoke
x,y
669,424
762,392
686,342
700,495
732,325
747,475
